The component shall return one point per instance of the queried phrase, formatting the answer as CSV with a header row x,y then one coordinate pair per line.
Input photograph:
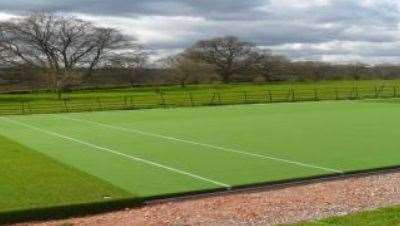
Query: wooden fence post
x,y
293,96
131,101
99,103
191,99
316,98
336,94
22,105
65,105
270,96
29,107
356,91
162,98
125,101
212,98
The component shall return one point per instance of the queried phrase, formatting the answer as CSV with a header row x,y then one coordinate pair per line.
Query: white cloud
x,y
298,3
7,16
150,30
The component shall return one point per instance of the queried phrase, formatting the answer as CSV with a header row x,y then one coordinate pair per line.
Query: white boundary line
x,y
116,153
205,145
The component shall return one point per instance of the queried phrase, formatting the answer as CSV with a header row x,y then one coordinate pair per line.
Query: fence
x,y
195,98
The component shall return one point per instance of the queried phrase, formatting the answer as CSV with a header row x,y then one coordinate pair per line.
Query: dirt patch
x,y
285,205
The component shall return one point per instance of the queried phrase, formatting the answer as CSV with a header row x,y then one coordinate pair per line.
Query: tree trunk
x,y
59,90
226,77
59,94
132,78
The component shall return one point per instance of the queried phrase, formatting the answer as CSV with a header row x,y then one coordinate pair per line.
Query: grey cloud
x,y
271,23
207,8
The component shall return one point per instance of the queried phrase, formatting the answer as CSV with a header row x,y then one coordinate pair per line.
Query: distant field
x,y
195,95
58,159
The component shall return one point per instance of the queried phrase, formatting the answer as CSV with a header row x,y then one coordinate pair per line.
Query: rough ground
x,y
268,207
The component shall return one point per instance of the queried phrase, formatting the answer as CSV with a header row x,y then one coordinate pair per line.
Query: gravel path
x,y
285,205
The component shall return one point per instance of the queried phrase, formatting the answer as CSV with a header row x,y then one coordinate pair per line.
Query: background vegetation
x,y
194,95
60,54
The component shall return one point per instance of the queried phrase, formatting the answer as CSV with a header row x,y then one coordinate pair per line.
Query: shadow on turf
x,y
78,210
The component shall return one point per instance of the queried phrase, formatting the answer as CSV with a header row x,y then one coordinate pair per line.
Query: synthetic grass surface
x,y
380,217
159,152
29,179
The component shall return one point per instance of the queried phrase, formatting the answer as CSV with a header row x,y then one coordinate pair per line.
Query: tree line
x,y
65,51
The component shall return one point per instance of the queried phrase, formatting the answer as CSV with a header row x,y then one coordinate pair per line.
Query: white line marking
x,y
116,152
205,145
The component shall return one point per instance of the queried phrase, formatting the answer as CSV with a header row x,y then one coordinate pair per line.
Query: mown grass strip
x,y
380,217
31,180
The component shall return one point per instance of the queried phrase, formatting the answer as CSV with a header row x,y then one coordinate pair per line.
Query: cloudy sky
x,y
329,30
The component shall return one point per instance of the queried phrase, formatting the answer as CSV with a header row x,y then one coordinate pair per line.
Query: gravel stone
x,y
268,207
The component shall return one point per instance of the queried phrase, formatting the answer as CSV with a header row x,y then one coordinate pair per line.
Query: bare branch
x,y
229,55
57,43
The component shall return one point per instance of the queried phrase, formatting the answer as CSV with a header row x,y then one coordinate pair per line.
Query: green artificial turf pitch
x,y
148,153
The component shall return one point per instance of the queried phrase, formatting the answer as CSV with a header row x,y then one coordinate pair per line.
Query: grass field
x,y
145,153
380,217
29,179
195,95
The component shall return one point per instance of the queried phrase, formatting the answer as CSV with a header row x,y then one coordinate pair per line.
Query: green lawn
x,y
195,95
166,151
29,179
380,217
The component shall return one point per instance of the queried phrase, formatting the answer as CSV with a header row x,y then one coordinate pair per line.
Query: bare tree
x,y
57,44
312,70
386,71
271,67
183,69
131,63
356,70
228,55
